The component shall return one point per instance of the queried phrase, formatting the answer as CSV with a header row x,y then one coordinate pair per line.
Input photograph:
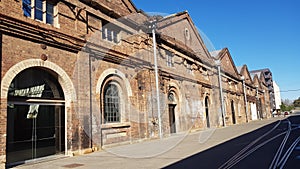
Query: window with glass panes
x,y
169,57
26,7
111,104
110,35
49,12
38,10
110,32
42,10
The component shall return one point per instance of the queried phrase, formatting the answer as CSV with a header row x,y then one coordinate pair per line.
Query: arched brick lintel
x,y
112,71
63,78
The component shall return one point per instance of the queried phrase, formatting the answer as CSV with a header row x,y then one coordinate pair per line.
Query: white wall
x,y
253,111
277,95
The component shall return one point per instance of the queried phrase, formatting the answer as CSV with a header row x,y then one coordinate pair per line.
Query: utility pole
x,y
218,63
245,97
257,103
153,26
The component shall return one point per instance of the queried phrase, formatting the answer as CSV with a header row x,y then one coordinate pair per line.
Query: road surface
x,y
276,145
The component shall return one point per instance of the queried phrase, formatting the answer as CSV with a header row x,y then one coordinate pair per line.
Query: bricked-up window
x,y
170,59
111,103
94,23
204,73
189,68
42,10
225,107
239,109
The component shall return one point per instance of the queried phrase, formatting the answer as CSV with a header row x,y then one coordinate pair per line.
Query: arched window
x,y
111,103
171,97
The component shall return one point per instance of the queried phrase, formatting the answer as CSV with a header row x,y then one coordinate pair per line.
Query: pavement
x,y
150,154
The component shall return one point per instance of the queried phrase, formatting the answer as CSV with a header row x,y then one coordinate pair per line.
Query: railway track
x,y
271,150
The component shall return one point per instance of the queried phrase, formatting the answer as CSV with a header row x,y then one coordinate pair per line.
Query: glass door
x,y
34,135
35,116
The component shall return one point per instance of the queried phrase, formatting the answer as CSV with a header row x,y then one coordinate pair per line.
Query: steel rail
x,y
280,149
237,160
287,154
232,159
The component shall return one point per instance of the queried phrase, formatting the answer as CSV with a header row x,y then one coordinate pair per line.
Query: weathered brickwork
x,y
86,56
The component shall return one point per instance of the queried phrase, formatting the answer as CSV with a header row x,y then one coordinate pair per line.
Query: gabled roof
x,y
255,81
173,24
227,63
261,74
179,46
239,69
245,72
137,20
215,53
262,79
255,73
130,5
260,70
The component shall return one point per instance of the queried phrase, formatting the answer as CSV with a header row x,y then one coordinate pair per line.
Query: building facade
x,y
277,96
269,81
77,76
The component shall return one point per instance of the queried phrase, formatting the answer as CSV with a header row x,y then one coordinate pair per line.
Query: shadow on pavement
x,y
218,155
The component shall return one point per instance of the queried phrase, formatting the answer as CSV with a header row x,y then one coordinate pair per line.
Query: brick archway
x,y
174,108
63,78
116,72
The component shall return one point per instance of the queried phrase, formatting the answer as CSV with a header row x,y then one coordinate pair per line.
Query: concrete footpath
x,y
150,154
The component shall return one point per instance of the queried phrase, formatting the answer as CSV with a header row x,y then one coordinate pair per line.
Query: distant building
x,y
269,81
277,96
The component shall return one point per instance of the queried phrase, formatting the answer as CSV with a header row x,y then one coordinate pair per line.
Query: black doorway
x,y
233,112
207,112
172,118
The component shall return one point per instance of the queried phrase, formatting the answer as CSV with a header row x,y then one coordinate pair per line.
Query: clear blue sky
x,y
258,33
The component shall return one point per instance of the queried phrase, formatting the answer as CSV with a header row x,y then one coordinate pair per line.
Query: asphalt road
x,y
276,145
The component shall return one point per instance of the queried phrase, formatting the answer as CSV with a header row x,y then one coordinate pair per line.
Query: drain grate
x,y
74,165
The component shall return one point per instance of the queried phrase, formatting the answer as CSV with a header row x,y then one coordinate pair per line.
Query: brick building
x,y
257,97
77,76
269,81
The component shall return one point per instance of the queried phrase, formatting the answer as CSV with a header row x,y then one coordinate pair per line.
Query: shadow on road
x,y
218,155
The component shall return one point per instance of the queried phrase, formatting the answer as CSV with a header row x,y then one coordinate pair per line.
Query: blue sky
x,y
258,33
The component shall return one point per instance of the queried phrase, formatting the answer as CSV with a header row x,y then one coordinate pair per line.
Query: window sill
x,y
111,42
115,125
